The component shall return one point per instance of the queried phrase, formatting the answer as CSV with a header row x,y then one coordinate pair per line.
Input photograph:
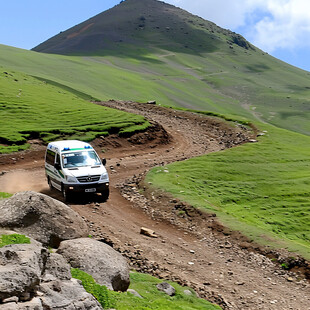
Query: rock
x,y
56,268
101,261
188,292
166,288
151,102
135,293
67,295
41,217
21,267
34,304
10,299
148,232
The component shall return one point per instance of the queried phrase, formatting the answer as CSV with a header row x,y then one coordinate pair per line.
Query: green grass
x,y
262,189
145,285
13,239
100,292
4,195
228,81
30,108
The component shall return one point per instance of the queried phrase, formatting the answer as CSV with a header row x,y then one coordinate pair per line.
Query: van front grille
x,y
89,178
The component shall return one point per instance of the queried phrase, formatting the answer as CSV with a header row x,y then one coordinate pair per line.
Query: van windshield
x,y
80,159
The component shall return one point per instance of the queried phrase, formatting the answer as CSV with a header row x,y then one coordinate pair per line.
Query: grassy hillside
x,y
230,81
152,298
262,188
30,109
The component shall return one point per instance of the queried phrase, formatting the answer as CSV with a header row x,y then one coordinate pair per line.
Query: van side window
x,y
57,161
50,157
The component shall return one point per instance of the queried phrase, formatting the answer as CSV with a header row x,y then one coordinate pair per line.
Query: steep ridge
x,y
142,24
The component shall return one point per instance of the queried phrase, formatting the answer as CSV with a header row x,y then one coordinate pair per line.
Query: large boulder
x,y
41,217
101,261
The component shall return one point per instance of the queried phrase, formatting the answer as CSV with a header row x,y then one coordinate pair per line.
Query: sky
x,y
279,27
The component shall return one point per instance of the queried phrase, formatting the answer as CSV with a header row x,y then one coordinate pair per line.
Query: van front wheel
x,y
105,195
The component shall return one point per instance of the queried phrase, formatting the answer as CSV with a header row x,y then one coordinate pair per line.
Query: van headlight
x,y
71,179
104,177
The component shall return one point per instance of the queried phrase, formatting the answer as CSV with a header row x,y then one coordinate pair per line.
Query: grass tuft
x,y
13,239
100,292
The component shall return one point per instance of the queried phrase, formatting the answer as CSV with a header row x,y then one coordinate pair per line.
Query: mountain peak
x,y
145,24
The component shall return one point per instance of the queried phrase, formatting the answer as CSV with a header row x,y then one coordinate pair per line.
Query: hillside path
x,y
193,249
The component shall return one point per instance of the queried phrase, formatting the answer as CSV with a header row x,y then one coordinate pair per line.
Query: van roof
x,y
68,145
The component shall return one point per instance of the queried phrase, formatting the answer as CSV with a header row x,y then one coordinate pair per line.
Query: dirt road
x,y
193,249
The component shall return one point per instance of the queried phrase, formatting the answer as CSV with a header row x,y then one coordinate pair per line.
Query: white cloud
x,y
268,24
225,13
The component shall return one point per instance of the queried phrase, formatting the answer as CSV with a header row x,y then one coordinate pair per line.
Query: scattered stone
x,y
166,288
239,283
188,292
151,102
148,232
10,299
135,293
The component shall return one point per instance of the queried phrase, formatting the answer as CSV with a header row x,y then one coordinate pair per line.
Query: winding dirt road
x,y
193,249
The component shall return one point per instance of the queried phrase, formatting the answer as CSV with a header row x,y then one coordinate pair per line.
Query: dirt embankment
x,y
191,247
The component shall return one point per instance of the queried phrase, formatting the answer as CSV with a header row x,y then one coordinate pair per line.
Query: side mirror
x,y
104,161
57,166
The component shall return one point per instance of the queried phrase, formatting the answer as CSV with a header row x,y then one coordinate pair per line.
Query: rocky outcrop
x,y
21,267
41,217
67,295
109,268
33,278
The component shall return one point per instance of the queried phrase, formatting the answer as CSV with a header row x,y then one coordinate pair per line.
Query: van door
x,y
51,172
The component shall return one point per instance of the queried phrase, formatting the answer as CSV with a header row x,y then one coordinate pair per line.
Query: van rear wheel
x,y
50,183
65,194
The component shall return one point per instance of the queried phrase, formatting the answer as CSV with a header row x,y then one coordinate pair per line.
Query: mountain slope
x,y
170,55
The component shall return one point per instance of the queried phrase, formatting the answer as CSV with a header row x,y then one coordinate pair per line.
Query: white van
x,y
73,166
